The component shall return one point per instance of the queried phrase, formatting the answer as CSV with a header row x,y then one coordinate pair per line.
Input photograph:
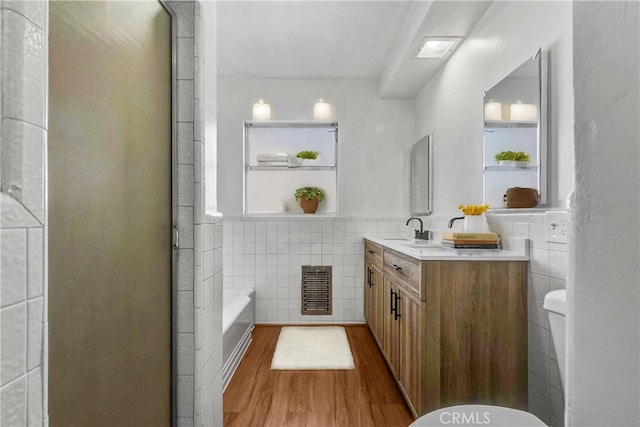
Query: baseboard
x,y
311,324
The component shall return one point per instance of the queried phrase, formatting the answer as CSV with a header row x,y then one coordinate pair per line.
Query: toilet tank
x,y
555,302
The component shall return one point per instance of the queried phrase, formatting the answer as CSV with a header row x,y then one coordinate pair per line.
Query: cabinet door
x,y
373,304
411,340
378,301
368,301
391,327
386,320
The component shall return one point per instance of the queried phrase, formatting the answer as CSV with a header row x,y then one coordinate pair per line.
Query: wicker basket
x,y
518,197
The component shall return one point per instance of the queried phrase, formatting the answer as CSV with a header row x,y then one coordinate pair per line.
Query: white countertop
x,y
514,249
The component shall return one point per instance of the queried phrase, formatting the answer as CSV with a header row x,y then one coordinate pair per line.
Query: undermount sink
x,y
414,243
423,245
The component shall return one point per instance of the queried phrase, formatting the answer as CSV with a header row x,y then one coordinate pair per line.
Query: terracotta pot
x,y
309,206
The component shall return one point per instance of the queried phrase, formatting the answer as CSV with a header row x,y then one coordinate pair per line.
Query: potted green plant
x,y
309,198
512,158
521,159
307,155
302,156
504,158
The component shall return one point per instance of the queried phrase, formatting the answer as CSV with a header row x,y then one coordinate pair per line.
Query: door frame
x,y
174,209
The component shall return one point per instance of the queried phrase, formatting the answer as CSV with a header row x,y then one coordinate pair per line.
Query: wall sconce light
x,y
261,111
321,110
521,112
492,111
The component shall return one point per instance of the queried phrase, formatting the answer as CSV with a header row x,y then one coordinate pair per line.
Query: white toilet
x,y
476,415
555,303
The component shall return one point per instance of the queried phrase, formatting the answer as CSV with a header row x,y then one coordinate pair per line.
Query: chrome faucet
x,y
452,220
421,234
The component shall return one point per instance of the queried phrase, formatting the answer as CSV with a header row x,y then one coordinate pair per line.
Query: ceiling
x,y
338,39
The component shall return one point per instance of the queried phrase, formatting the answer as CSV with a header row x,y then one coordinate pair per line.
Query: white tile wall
x,y
187,286
24,83
199,265
13,266
267,252
23,246
14,343
23,250
547,271
208,342
14,403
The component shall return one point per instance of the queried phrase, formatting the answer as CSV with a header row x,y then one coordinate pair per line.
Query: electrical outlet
x,y
556,226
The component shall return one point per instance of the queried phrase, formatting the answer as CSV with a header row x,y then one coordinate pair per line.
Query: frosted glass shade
x,y
321,110
261,111
492,111
524,112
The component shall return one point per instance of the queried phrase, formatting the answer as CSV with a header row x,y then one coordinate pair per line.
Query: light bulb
x,y
521,112
492,111
261,111
321,110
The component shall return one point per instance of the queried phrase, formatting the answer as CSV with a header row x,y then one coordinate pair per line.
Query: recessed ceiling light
x,y
436,47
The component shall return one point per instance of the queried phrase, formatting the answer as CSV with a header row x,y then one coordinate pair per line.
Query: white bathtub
x,y
238,319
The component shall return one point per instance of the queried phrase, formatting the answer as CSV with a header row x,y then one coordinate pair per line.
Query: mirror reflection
x,y
514,142
422,176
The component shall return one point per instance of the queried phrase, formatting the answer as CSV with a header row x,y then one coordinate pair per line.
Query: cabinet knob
x,y
395,267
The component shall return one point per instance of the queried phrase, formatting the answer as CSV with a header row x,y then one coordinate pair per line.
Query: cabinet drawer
x,y
403,268
373,254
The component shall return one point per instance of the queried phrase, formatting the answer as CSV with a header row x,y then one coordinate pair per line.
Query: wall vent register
x,y
316,290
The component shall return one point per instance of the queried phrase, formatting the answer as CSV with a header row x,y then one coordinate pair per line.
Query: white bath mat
x,y
312,348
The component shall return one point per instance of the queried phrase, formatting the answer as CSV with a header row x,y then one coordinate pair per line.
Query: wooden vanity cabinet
x,y
452,332
410,339
373,290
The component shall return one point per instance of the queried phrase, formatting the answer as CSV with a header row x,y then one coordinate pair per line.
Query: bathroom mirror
x,y
515,132
422,176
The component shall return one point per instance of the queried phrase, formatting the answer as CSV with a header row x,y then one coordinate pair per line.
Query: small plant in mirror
x,y
520,156
307,155
508,157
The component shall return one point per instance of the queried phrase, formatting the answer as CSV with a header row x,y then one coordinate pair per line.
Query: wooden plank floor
x,y
366,396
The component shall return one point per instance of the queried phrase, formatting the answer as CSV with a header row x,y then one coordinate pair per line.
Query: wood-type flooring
x,y
366,396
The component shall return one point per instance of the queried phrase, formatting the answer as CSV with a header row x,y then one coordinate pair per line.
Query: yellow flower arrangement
x,y
473,209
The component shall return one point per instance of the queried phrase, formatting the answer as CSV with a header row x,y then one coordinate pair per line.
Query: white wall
x,y
199,293
451,105
375,138
604,291
23,229
210,116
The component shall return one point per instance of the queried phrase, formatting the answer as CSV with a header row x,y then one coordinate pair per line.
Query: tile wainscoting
x,y
267,253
